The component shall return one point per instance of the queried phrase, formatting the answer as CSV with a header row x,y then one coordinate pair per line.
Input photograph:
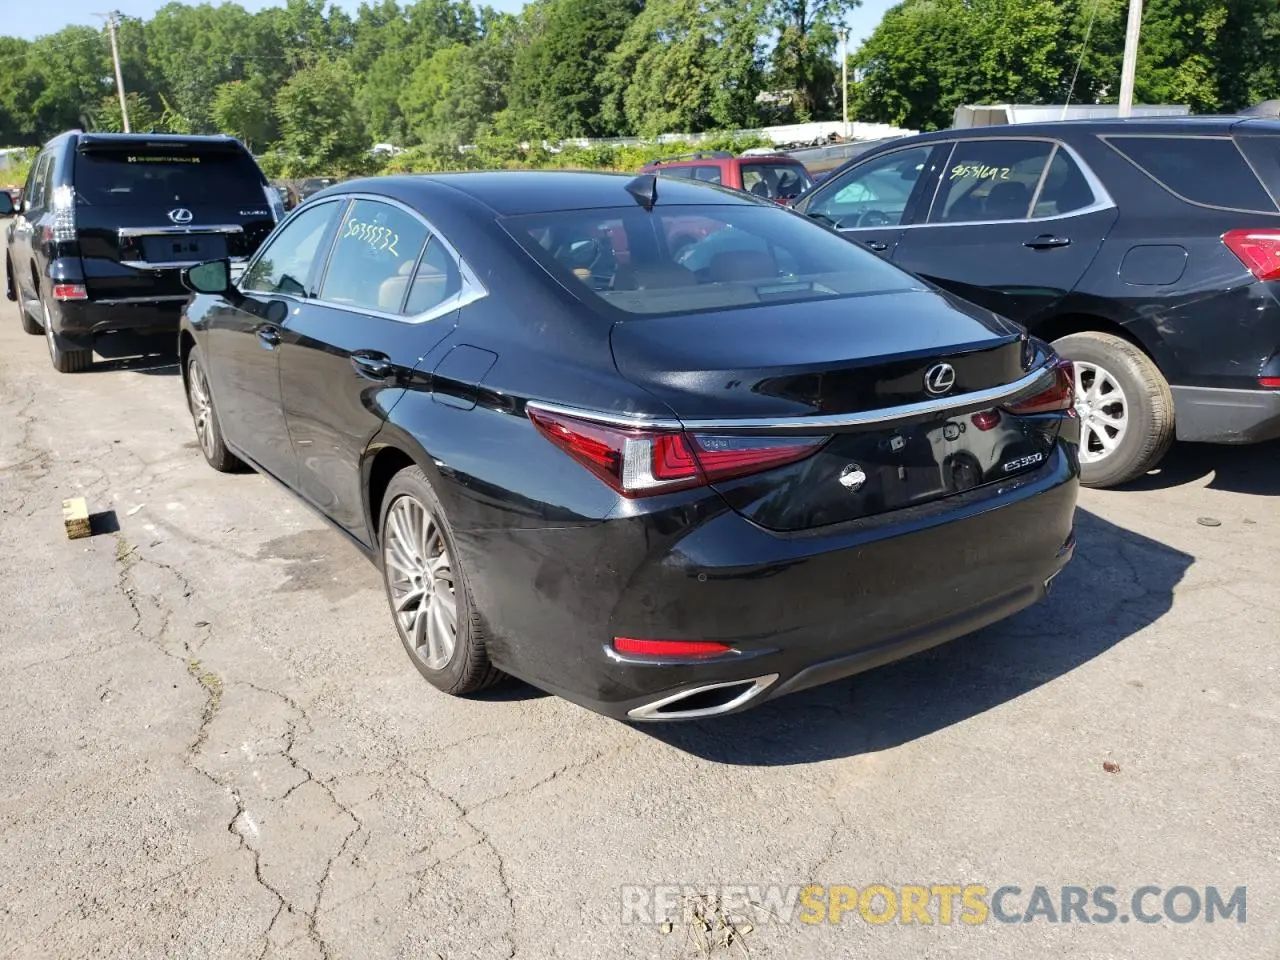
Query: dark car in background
x,y
768,176
109,220
1146,250
661,490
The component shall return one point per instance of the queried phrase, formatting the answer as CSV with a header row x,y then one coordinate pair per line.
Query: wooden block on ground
x,y
75,517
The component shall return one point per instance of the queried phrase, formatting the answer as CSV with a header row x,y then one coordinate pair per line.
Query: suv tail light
x,y
64,214
640,462
1269,383
1059,397
1259,250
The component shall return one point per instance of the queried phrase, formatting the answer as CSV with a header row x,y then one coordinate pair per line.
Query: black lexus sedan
x,y
661,448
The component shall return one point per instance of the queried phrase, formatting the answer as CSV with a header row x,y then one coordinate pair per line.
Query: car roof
x,y
1110,126
157,138
514,192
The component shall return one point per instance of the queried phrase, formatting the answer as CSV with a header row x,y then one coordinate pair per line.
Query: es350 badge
x,y
1020,462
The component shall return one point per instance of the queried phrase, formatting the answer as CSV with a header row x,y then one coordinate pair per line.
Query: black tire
x,y
1146,400
29,323
200,402
467,668
65,359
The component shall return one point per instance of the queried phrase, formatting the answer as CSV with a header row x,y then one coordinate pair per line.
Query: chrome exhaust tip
x,y
708,700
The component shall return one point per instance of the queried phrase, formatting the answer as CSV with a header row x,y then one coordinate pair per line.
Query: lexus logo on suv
x,y
181,215
939,378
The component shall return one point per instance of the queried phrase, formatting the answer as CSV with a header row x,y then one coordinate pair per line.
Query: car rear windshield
x,y
685,258
166,176
1205,170
775,181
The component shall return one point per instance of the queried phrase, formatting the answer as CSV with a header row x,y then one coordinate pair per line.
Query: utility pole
x,y
844,82
1130,66
115,56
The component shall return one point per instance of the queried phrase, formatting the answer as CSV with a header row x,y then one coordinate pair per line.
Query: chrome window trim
x,y
1101,197
1031,383
1107,138
178,231
173,264
470,291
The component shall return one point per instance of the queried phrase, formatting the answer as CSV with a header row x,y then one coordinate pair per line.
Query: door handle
x,y
1047,241
270,336
879,246
372,365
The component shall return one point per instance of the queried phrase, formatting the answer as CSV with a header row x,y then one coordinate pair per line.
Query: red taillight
x,y
640,462
691,649
1057,398
986,420
1269,383
70,291
1259,250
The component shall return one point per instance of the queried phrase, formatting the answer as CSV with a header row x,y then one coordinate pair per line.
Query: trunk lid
x,y
855,368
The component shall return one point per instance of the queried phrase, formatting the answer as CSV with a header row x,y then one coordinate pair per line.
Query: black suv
x,y
108,221
1147,250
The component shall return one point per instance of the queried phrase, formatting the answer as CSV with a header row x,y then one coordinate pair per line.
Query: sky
x,y
25,19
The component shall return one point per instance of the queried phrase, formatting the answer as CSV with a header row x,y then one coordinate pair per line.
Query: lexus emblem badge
x,y
939,378
181,215
852,478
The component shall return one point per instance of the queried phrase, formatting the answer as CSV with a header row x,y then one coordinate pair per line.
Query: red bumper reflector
x,y
670,648
70,291
1270,383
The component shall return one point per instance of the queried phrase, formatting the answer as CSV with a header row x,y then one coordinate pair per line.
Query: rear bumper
x,y
84,318
1220,415
803,610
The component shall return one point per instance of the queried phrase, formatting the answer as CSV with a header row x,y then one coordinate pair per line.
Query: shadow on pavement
x,y
1251,469
155,354
1125,581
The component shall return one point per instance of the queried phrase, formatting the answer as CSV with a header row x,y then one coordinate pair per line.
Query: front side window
x,y
986,180
874,193
1205,170
689,258
291,255
373,257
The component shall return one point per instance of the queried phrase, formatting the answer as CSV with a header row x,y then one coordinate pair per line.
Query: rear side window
x,y
374,256
170,176
684,259
1209,171
1064,188
990,180
435,281
680,173
706,174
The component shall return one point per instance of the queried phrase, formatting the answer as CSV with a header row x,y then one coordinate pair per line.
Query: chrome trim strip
x,y
122,301
171,264
178,231
650,711
807,426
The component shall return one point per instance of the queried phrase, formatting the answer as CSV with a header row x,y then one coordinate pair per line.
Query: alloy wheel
x,y
201,409
422,582
1103,410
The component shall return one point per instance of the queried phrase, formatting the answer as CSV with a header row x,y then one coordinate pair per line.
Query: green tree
x,y
447,99
242,109
686,66
320,127
555,89
804,51
142,115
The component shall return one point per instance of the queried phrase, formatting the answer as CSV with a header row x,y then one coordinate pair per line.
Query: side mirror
x,y
6,204
213,276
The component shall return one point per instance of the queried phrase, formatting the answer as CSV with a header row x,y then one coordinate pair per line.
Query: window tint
x,y
116,178
874,193
436,280
706,174
1064,188
681,259
373,257
680,173
1203,170
38,183
775,180
290,254
990,180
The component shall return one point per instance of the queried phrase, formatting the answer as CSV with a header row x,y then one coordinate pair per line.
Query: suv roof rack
x,y
698,155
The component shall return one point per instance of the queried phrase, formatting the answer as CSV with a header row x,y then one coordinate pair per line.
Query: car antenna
x,y
645,189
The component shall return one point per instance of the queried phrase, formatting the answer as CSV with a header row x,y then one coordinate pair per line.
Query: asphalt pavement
x,y
213,745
